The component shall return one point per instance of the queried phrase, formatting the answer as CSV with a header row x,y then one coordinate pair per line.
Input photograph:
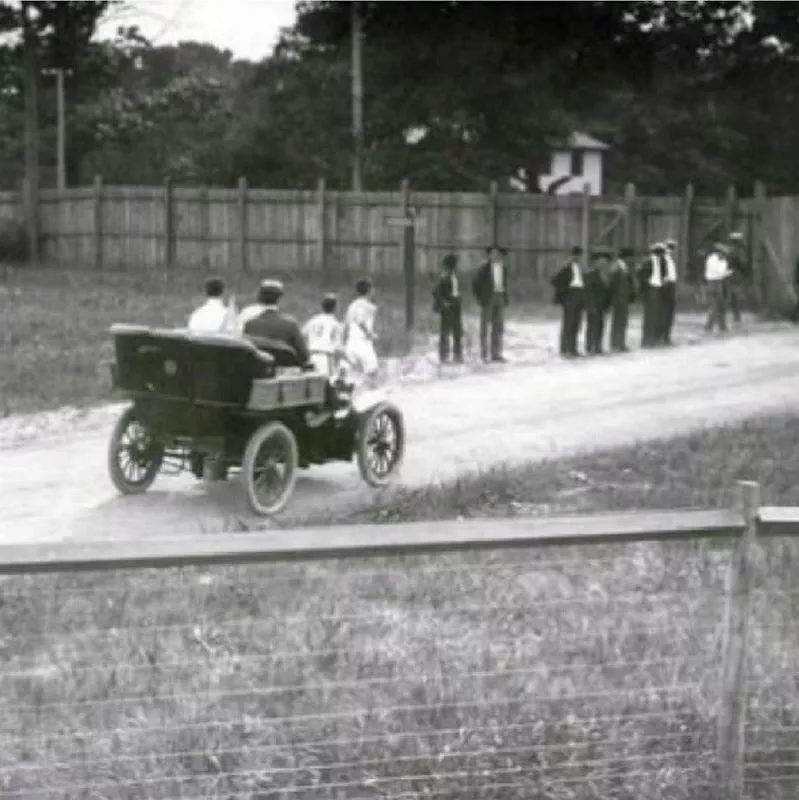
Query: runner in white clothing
x,y
359,335
324,334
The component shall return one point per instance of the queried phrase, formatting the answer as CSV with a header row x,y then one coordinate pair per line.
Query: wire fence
x,y
565,672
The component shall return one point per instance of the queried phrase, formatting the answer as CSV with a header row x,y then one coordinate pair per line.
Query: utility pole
x,y
59,73
31,132
356,27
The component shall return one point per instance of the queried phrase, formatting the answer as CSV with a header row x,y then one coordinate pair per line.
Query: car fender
x,y
369,398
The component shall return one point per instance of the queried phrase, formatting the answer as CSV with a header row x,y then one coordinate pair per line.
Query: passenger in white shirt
x,y
324,334
717,273
213,316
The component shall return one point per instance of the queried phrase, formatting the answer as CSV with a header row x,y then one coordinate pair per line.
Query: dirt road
x,y
53,482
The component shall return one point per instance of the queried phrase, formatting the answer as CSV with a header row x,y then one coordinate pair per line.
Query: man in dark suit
x,y
569,287
668,293
447,304
596,301
650,280
621,292
740,279
273,325
490,287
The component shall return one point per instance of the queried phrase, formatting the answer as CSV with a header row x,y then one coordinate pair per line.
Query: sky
x,y
248,28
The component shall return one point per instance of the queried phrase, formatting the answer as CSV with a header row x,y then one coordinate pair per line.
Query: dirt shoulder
x,y
52,467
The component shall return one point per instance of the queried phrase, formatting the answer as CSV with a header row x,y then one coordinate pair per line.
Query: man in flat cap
x,y
213,316
254,309
490,287
668,292
717,273
447,304
650,281
324,336
621,292
596,300
569,286
272,324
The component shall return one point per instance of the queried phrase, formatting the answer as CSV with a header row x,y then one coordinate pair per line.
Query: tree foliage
x,y
456,94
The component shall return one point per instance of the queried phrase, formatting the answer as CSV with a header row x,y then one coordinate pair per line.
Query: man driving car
x,y
273,325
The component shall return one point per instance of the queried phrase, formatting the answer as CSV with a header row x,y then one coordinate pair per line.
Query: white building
x,y
574,165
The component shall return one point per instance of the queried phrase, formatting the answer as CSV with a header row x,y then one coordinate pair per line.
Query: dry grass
x,y
559,673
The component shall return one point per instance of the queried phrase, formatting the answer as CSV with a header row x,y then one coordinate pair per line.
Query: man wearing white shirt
x,y
213,316
490,287
717,273
650,277
570,295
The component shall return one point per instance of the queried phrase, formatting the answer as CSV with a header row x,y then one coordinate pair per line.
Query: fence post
x,y
205,226
758,246
493,212
730,208
407,246
97,216
585,224
243,225
686,222
321,213
32,211
169,225
732,706
628,235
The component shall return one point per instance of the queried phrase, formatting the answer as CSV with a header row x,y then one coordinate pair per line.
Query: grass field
x,y
55,342
560,673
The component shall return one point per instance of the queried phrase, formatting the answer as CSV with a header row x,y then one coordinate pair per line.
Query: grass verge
x,y
560,673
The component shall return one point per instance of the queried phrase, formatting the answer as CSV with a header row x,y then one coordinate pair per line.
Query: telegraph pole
x,y
357,95
59,73
31,132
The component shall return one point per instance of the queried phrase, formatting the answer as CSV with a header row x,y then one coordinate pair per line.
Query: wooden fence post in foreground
x,y
732,703
407,256
169,225
243,225
97,220
628,234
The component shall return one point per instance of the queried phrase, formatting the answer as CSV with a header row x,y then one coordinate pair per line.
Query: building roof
x,y
582,141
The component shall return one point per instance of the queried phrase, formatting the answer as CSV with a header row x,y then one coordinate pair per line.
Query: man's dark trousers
x,y
618,325
653,304
668,295
573,306
594,329
492,315
451,328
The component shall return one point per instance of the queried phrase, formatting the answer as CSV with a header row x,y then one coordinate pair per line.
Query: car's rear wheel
x,y
134,455
269,468
381,444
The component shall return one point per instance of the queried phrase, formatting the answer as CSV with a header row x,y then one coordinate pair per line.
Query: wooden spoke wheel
x,y
381,443
134,455
269,468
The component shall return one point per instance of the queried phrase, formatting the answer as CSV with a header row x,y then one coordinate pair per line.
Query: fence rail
x,y
254,229
624,655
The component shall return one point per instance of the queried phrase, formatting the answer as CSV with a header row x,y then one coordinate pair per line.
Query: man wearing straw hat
x,y
650,278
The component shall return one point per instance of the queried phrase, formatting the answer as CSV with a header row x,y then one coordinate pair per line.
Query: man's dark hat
x,y
331,297
626,252
577,250
496,247
272,286
450,261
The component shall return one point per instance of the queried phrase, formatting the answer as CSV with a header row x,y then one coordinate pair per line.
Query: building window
x,y
578,163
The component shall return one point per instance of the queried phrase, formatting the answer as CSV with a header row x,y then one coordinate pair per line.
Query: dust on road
x,y
53,468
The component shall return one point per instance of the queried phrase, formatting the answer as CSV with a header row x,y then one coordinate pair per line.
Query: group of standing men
x,y
607,286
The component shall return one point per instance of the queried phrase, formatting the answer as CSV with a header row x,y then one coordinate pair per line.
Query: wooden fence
x,y
257,230
741,527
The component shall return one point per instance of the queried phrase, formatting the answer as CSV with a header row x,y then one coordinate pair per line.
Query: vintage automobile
x,y
216,403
